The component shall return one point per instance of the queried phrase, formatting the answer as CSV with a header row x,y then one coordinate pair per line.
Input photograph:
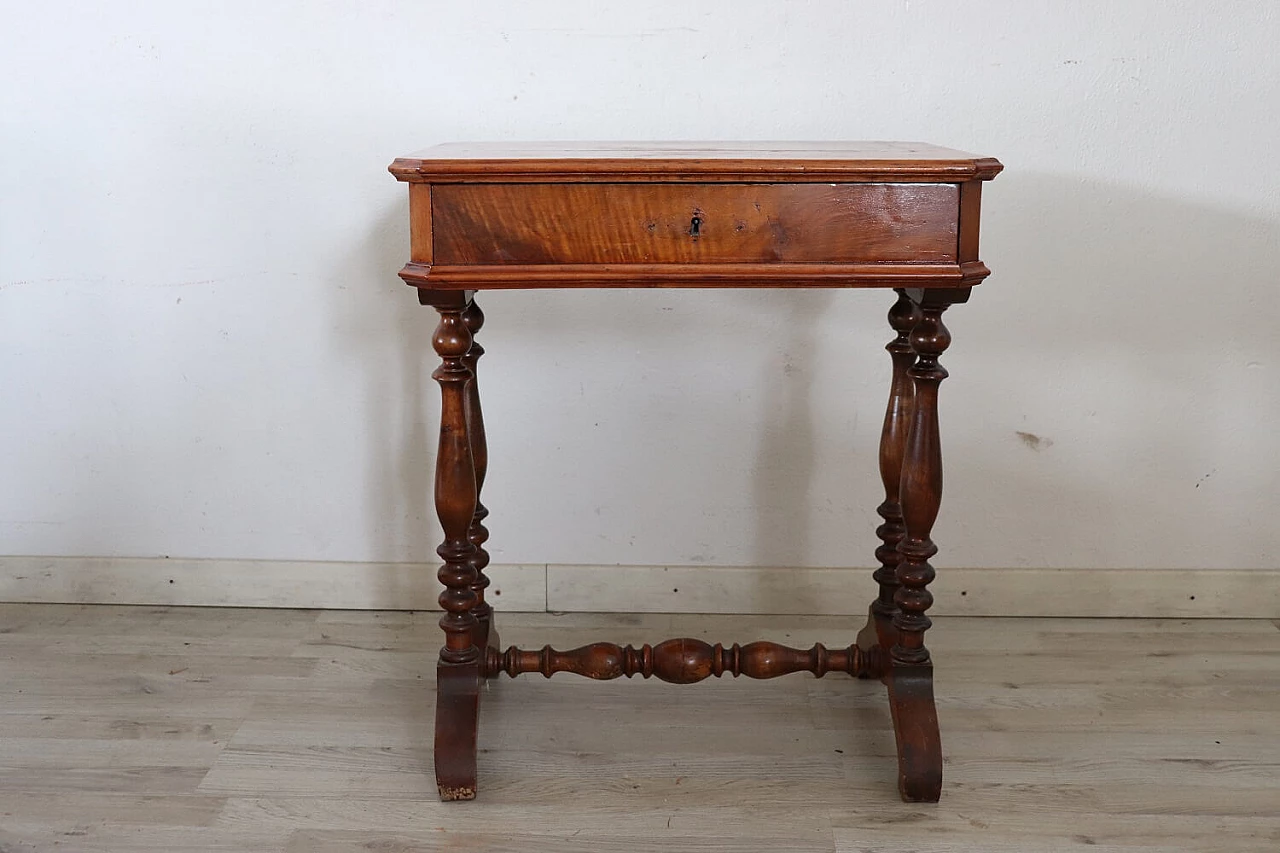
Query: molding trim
x,y
1163,593
253,583
1154,593
695,275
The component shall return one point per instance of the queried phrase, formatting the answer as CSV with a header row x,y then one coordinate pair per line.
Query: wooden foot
x,y
457,711
915,728
458,673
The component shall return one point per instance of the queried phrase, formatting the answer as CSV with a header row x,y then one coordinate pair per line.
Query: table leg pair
x,y
891,646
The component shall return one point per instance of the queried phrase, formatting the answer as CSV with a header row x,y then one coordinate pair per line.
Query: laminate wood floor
x,y
183,729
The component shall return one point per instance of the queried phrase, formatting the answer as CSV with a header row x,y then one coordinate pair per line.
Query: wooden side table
x,y
542,215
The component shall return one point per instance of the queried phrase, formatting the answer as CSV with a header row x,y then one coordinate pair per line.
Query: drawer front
x,y
485,224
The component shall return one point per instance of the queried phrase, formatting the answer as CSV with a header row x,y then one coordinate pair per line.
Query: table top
x,y
841,162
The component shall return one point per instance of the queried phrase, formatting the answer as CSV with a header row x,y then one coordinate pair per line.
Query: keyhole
x,y
695,226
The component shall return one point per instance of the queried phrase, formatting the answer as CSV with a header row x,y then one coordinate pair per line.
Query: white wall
x,y
205,351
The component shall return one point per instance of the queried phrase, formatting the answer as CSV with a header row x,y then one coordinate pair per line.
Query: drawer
x,y
655,223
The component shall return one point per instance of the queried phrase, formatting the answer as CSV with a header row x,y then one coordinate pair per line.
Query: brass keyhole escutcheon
x,y
695,226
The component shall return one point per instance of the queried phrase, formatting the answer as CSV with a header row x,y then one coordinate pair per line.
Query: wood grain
x,y
970,221
577,162
420,242
654,223
836,214
1119,735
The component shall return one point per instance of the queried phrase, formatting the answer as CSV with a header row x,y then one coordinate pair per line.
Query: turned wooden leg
x,y
893,439
485,635
910,678
458,672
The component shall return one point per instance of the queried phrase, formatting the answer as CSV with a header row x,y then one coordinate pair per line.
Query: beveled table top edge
x,y
693,161
945,276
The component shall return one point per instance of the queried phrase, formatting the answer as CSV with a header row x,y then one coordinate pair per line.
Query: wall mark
x,y
1033,441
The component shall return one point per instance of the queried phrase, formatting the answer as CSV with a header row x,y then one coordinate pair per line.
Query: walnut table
x,y
859,214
